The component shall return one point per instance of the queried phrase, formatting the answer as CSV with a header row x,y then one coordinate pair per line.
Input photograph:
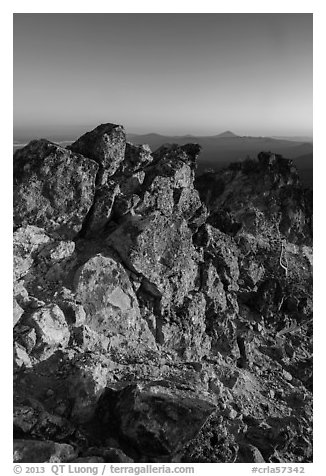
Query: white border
x,y
168,6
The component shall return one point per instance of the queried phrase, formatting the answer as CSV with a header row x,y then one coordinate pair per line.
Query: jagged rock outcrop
x,y
159,316
53,187
106,145
262,196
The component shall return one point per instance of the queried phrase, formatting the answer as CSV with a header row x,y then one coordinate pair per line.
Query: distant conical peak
x,y
227,134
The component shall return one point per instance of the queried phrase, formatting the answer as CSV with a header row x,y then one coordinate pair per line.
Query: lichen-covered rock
x,y
168,186
26,242
136,157
53,187
103,288
185,330
51,331
160,250
105,145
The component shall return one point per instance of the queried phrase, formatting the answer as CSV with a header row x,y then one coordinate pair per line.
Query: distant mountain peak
x,y
227,134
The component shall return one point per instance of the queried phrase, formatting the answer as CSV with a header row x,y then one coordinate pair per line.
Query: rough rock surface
x,y
159,316
53,187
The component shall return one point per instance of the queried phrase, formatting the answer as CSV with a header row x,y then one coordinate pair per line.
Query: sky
x,y
166,73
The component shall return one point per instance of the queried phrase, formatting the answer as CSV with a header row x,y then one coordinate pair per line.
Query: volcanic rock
x,y
53,188
105,145
157,419
159,316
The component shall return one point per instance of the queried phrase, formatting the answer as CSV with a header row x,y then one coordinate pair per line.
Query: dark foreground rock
x,y
156,419
160,317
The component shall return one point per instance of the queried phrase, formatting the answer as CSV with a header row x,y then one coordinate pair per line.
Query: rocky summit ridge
x,y
159,316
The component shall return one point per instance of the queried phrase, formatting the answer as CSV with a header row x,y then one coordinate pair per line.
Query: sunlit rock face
x,y
53,187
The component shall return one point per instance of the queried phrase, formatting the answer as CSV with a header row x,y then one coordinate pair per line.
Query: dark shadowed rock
x,y
136,157
260,195
34,451
101,210
33,420
250,454
158,419
18,311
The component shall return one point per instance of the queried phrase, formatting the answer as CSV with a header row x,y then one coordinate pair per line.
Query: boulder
x,y
100,213
105,145
251,454
53,188
86,382
160,249
103,288
168,186
157,418
51,330
27,242
136,157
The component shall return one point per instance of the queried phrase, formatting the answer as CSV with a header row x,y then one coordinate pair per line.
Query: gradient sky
x,y
167,73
